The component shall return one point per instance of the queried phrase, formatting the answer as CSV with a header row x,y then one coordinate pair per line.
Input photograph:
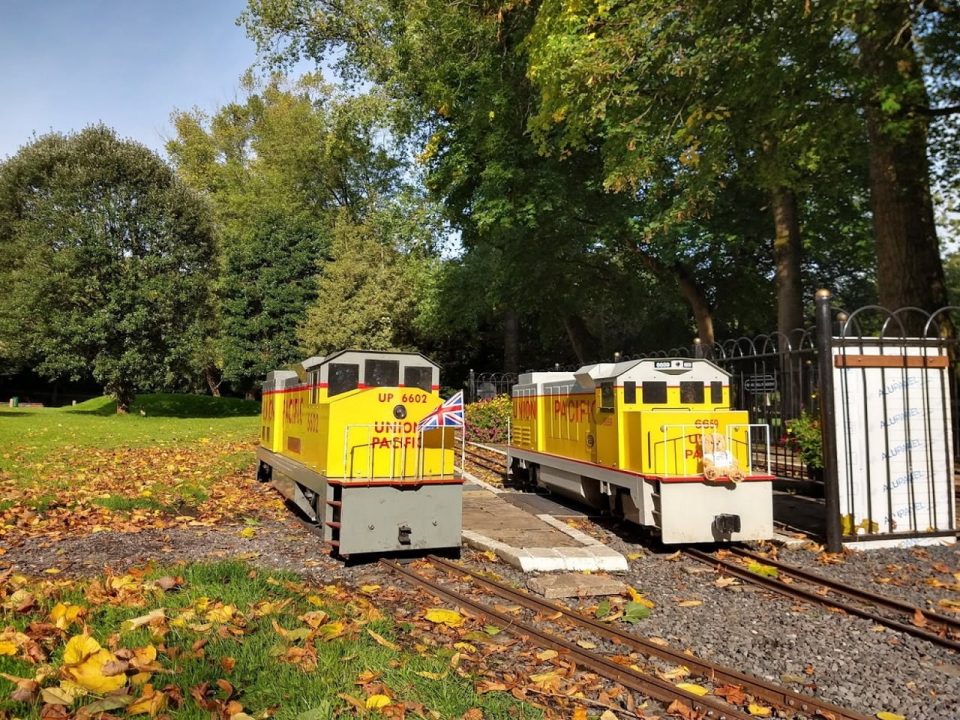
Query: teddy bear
x,y
717,460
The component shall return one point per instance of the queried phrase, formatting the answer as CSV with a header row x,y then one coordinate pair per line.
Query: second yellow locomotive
x,y
654,440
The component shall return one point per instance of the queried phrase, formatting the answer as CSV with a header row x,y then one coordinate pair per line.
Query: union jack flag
x,y
450,414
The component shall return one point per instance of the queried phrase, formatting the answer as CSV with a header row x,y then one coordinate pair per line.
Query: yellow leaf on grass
x,y
759,710
369,589
63,616
693,689
149,703
375,702
247,532
432,675
466,647
884,715
154,616
7,648
84,661
382,640
315,600
444,617
332,630
221,614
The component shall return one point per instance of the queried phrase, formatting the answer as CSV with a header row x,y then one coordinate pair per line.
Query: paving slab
x,y
561,585
530,542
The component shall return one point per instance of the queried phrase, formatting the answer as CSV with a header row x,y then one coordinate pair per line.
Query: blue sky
x,y
68,64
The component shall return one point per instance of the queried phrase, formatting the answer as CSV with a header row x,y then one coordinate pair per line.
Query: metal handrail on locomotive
x,y
339,438
654,440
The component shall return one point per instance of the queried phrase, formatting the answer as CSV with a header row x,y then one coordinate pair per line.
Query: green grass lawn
x,y
221,639
29,435
227,641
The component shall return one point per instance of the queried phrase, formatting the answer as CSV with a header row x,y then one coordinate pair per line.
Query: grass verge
x,y
230,641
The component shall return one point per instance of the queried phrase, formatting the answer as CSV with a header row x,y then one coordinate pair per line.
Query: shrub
x,y
488,421
804,436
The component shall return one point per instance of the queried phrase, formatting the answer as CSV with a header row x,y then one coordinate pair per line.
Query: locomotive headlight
x,y
399,412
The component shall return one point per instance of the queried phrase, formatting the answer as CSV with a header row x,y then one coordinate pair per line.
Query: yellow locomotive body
x,y
339,438
631,435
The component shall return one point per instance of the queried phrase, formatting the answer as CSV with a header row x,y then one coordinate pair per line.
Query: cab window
x,y
381,373
654,393
716,392
342,377
691,393
606,396
418,377
629,392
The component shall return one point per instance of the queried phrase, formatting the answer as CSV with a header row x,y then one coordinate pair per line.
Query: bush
x,y
488,421
804,436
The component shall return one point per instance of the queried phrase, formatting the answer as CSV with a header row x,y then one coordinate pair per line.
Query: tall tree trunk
x,y
787,251
909,268
583,342
511,342
212,375
691,292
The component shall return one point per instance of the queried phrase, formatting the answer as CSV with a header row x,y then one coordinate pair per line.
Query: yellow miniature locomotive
x,y
340,438
654,440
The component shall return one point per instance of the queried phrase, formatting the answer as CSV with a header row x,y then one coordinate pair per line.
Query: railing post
x,y
473,386
828,421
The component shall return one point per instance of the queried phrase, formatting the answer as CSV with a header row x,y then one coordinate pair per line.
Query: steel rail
x,y
780,697
795,592
648,685
874,598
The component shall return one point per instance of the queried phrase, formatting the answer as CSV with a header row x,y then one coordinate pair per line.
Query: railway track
x,y
489,460
799,583
561,620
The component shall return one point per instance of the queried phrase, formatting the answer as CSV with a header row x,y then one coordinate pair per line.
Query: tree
x,y
368,292
686,100
107,258
278,169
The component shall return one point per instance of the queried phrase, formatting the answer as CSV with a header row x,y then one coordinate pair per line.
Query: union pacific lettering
x,y
397,435
293,409
574,409
525,409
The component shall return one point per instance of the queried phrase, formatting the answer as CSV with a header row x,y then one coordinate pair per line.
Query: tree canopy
x,y
106,261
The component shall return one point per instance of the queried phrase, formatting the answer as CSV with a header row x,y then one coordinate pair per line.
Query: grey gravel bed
x,y
909,575
843,659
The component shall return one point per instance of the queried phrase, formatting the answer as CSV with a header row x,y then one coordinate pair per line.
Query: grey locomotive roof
x,y
340,353
646,369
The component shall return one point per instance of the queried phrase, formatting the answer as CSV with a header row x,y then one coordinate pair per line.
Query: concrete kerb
x,y
592,556
477,481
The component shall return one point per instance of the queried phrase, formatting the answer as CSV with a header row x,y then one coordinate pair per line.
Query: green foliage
x,y
804,436
372,291
280,168
488,421
106,259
